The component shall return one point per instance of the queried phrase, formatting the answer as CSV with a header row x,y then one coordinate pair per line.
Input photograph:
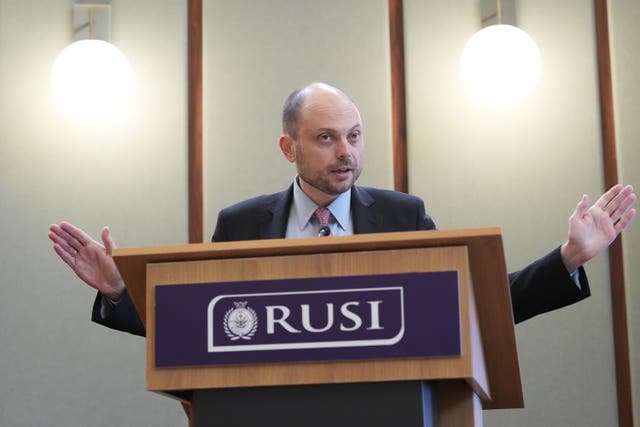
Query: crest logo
x,y
240,322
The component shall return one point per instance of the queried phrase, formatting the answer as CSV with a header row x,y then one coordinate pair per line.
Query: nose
x,y
342,148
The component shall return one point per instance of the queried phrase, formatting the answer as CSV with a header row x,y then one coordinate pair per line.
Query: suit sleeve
x,y
122,317
425,222
545,285
219,233
542,286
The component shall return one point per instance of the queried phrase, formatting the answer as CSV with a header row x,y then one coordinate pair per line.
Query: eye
x,y
324,137
355,136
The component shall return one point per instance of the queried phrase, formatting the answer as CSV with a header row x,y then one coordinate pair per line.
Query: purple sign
x,y
329,318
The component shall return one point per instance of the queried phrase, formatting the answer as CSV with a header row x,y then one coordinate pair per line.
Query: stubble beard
x,y
322,181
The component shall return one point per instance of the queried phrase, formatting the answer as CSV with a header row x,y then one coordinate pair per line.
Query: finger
x,y
619,198
625,220
582,207
623,206
70,242
64,255
83,238
55,230
58,237
606,198
109,244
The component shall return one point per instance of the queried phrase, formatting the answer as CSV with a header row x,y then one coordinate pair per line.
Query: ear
x,y
287,148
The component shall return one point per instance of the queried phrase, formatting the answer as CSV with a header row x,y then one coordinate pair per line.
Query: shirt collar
x,y
305,207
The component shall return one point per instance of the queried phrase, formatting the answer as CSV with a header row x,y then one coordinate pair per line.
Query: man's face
x,y
329,148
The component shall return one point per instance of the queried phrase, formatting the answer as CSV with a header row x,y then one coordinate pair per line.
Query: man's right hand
x,y
91,261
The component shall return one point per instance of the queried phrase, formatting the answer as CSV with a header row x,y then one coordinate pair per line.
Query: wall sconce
x,y
501,63
91,77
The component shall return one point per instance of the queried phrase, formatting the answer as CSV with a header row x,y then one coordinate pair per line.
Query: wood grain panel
x,y
194,88
398,100
616,255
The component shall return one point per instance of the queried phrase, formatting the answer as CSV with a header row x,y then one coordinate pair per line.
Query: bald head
x,y
296,100
322,135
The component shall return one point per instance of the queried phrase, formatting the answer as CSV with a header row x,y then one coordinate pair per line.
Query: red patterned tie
x,y
323,215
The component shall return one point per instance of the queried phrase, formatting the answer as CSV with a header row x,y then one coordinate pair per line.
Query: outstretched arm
x,y
592,229
91,261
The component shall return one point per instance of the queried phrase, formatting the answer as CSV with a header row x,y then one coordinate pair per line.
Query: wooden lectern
x,y
443,391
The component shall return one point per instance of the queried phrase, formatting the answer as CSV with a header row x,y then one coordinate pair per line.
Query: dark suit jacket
x,y
542,286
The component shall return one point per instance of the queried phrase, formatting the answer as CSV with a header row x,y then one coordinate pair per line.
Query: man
x,y
322,135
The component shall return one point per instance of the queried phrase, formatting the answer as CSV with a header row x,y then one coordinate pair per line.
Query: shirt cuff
x,y
575,276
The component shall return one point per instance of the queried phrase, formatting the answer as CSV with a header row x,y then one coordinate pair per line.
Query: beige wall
x,y
56,367
256,53
522,169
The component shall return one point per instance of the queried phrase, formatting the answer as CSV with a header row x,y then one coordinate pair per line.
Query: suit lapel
x,y
365,219
273,221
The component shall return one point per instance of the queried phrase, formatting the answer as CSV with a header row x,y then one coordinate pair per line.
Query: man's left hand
x,y
592,229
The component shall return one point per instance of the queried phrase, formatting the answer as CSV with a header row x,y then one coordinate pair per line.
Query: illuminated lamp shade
x,y
91,78
500,64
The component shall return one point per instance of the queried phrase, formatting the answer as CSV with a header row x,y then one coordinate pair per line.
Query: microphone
x,y
324,231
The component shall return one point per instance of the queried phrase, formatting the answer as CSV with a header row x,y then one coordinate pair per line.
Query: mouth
x,y
342,171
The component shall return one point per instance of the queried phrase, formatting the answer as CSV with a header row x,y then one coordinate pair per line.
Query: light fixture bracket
x,y
496,12
92,21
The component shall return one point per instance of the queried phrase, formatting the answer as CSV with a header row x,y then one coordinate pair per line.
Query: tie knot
x,y
323,215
